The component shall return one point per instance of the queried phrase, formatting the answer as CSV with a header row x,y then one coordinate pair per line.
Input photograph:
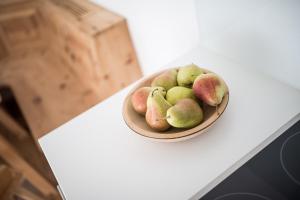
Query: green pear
x,y
166,80
187,74
210,88
157,107
186,113
177,93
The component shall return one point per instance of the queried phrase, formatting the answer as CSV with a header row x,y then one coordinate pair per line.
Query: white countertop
x,y
96,156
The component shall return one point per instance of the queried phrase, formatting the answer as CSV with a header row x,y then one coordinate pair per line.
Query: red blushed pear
x,y
210,88
157,107
139,99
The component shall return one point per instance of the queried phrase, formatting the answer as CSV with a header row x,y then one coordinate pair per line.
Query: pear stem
x,y
153,92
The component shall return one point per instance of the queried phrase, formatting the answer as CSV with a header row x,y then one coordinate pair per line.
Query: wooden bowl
x,y
138,123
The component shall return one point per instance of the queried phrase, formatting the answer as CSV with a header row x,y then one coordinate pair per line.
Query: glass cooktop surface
x,y
272,174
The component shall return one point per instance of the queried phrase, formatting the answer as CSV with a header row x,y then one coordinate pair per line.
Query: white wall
x,y
161,30
264,34
259,33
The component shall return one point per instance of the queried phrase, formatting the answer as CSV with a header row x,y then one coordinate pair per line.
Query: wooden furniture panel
x,y
69,44
30,152
5,177
10,155
101,35
20,30
51,99
63,56
26,194
12,125
19,26
11,186
116,73
3,50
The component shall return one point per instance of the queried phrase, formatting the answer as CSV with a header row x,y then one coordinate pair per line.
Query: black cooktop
x,y
272,174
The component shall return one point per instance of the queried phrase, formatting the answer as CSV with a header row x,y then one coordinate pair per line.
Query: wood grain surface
x,y
61,57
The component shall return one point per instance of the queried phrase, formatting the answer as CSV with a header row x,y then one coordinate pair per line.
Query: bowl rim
x,y
191,132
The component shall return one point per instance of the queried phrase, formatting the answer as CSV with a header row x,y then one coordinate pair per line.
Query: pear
x,y
210,88
166,80
176,93
139,99
187,74
186,113
157,107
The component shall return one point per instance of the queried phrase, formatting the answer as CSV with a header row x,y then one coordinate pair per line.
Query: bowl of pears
x,y
176,104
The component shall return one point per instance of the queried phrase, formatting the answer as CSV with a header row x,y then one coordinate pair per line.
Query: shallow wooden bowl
x,y
138,123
